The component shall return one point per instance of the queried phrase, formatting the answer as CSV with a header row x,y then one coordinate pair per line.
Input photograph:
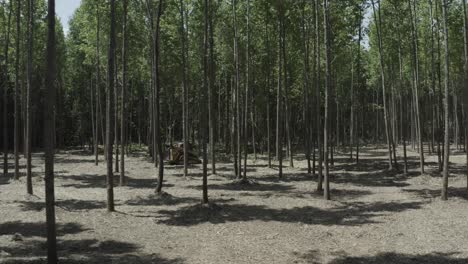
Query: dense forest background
x,y
269,73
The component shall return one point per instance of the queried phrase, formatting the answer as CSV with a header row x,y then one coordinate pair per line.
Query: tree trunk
x,y
157,124
465,83
246,101
49,139
446,104
28,120
416,83
123,110
110,118
5,94
98,90
382,74
326,10
211,88
204,125
317,95
279,145
306,107
185,87
17,89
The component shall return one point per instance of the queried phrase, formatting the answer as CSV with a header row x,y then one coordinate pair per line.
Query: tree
x,y
5,86
98,89
318,87
465,83
204,130
326,22
49,135
446,103
123,110
17,89
246,101
157,126
185,86
416,82
279,139
28,96
211,86
110,118
378,25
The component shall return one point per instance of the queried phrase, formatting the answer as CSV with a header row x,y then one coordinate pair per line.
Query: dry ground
x,y
375,216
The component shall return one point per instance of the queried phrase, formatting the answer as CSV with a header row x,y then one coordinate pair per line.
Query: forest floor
x,y
375,215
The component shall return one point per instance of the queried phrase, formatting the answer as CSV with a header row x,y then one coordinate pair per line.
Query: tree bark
x,y
382,75
416,84
49,139
203,127
17,89
29,187
317,102
326,21
123,110
279,140
110,118
465,83
98,90
446,104
185,86
157,124
5,85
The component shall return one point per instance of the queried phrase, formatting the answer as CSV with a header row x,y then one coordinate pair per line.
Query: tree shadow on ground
x,y
392,258
90,251
289,177
37,229
256,187
69,205
383,178
99,181
4,179
74,161
336,194
352,214
461,193
156,200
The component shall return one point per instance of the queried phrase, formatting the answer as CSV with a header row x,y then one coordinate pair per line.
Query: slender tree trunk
x,y
17,89
211,89
98,90
246,101
110,118
49,139
287,121
317,95
356,122
185,87
267,92
326,10
123,110
5,93
446,104
204,125
157,124
306,107
236,105
28,122
416,84
351,119
116,113
382,73
279,140
465,83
